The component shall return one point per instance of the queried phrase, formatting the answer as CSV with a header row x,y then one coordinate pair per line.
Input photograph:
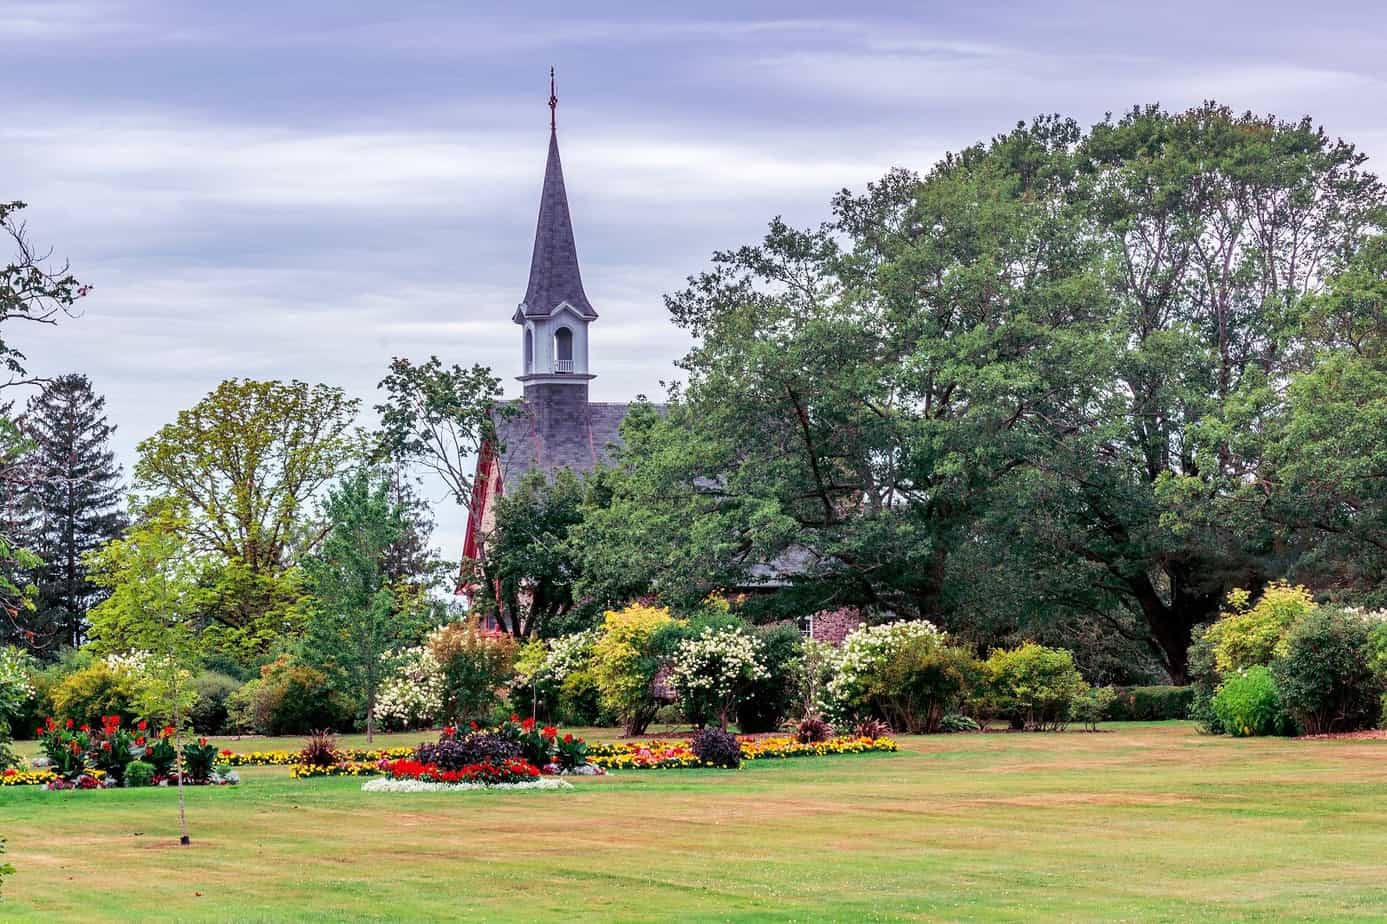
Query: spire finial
x,y
553,102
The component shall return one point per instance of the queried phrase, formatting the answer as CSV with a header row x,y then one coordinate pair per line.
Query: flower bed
x,y
300,771
83,757
290,758
664,755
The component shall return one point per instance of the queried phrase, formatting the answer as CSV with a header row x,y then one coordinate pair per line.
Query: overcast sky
x,y
303,190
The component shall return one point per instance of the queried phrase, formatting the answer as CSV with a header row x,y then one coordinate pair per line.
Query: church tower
x,y
555,314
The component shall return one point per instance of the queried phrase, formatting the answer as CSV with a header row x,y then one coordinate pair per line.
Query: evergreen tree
x,y
74,503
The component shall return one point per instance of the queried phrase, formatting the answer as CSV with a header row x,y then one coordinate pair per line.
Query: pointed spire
x,y
554,274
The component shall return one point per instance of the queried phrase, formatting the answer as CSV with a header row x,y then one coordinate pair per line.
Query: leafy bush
x,y
718,748
287,699
812,729
625,660
111,748
1033,686
475,665
1149,704
320,750
1324,673
1248,704
712,673
905,671
955,722
572,752
198,759
536,743
1245,635
1090,707
771,698
138,773
209,712
110,686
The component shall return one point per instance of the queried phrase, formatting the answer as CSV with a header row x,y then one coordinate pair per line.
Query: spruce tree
x,y
74,503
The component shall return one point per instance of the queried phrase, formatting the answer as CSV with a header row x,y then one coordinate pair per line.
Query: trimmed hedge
x,y
1149,704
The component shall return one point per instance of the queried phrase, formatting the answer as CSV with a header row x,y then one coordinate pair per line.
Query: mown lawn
x,y
1143,822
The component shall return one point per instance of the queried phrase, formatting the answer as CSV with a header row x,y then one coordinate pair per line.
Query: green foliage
x,y
1092,706
288,698
104,687
437,418
476,665
625,661
712,673
356,615
527,574
770,699
1246,635
139,773
1324,673
955,722
243,465
16,692
1033,687
212,689
1149,704
919,684
1248,704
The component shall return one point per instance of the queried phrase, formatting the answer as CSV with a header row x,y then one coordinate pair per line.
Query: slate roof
x,y
579,441
554,273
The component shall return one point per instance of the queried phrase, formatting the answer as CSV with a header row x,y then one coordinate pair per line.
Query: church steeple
x,y
554,274
556,312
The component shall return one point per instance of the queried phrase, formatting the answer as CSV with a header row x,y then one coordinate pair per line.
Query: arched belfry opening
x,y
563,350
529,350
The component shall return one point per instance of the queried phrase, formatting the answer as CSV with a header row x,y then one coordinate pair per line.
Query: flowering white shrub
x,y
710,672
412,697
867,652
15,689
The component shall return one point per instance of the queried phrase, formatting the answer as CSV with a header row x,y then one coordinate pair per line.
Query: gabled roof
x,y
580,442
554,274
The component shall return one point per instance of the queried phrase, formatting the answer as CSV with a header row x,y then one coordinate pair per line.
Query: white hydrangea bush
x,y
865,654
412,696
711,671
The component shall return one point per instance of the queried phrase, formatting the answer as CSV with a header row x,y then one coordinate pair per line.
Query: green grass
x,y
1146,822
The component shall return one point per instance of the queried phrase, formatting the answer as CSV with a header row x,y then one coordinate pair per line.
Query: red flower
x,y
142,725
50,724
474,726
568,738
550,732
139,742
39,732
105,745
528,724
227,752
69,724
167,732
76,748
202,742
148,752
514,717
85,728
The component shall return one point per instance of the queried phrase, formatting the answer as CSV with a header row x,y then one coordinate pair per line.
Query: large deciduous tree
x,y
73,501
245,464
1008,391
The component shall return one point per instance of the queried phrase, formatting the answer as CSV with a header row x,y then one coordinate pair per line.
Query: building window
x,y
563,350
529,350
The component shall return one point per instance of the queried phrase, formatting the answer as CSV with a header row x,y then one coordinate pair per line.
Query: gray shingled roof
x,y
579,442
554,274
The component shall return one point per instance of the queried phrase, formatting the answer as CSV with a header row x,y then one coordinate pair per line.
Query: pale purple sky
x,y
303,190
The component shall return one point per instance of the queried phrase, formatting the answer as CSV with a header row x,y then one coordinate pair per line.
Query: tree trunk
x,y
370,714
